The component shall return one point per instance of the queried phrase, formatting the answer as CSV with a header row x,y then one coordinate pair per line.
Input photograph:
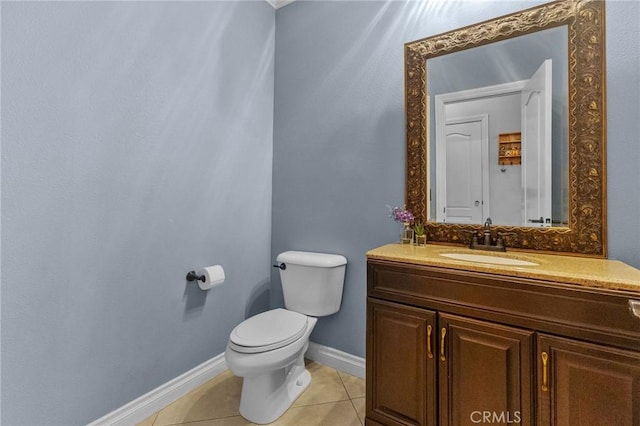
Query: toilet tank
x,y
312,282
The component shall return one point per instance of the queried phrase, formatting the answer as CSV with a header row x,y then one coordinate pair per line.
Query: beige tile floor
x,y
333,399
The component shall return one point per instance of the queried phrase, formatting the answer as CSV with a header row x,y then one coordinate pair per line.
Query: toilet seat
x,y
268,331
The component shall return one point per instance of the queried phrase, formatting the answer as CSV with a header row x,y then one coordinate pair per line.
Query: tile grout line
x,y
206,420
350,398
155,417
356,410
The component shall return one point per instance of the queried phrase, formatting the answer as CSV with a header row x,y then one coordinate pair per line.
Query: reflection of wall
x,y
559,169
505,189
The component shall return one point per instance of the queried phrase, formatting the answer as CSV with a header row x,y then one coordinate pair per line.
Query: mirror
x,y
477,105
536,168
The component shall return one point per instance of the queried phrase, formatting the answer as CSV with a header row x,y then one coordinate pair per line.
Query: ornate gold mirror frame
x,y
586,233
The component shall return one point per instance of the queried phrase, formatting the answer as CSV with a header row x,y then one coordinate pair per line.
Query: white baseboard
x,y
155,400
334,358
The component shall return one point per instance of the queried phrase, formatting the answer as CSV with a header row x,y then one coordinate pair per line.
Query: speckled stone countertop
x,y
590,272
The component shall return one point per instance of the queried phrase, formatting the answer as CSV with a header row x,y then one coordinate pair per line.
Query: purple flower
x,y
401,215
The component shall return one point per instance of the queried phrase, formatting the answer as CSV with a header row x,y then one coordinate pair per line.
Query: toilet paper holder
x,y
192,276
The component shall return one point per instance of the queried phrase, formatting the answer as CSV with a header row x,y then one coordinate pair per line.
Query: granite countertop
x,y
585,271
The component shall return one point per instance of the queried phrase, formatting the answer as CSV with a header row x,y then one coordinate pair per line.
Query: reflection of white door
x,y
536,148
462,196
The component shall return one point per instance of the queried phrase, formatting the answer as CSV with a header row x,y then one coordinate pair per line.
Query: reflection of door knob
x,y
541,220
477,203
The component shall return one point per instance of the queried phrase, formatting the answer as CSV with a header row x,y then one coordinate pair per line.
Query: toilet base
x,y
281,388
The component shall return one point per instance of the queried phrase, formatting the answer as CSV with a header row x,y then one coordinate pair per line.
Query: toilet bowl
x,y
275,377
268,349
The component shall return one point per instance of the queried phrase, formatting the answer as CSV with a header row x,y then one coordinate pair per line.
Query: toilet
x,y
267,350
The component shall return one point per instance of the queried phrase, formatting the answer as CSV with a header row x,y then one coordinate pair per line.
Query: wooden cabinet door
x,y
401,382
584,384
484,373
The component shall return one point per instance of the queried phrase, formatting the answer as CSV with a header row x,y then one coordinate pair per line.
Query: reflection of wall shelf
x,y
509,149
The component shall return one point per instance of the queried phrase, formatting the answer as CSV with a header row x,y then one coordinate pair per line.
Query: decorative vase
x,y
406,235
421,240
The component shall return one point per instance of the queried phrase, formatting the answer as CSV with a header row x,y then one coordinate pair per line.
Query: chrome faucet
x,y
487,243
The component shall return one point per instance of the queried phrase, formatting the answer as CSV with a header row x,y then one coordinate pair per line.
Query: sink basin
x,y
484,258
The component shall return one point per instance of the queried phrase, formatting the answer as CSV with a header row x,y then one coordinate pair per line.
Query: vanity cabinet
x,y
418,354
586,384
483,367
456,347
400,364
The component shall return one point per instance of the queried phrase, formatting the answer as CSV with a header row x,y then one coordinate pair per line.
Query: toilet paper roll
x,y
213,277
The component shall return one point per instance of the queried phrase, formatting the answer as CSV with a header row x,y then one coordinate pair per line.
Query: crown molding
x,y
277,4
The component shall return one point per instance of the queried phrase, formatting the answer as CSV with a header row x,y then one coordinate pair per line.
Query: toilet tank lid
x,y
307,258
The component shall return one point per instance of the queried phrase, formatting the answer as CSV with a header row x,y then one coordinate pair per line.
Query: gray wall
x,y
339,132
136,145
623,130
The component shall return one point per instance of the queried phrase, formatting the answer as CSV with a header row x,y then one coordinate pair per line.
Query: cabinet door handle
x,y
429,352
545,372
634,307
443,333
